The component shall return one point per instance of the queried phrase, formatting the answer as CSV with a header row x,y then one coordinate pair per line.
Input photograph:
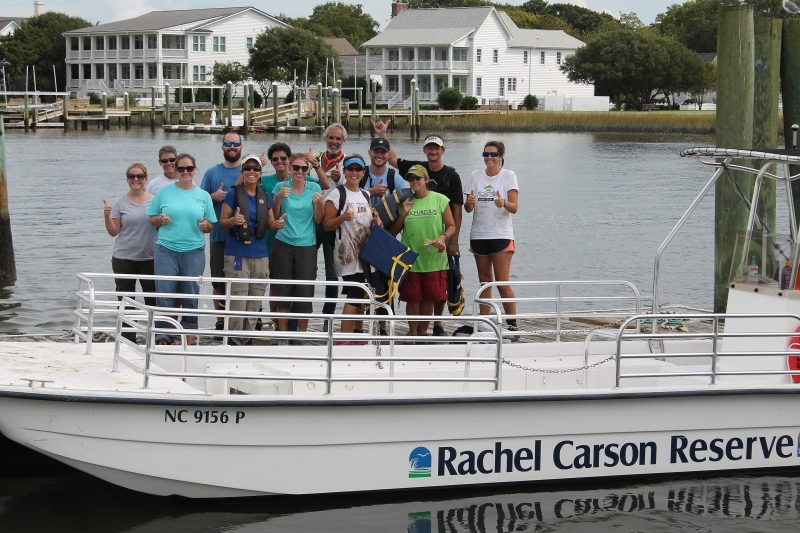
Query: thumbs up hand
x,y
499,201
263,158
164,219
317,200
106,209
349,213
311,159
238,219
470,203
205,226
285,191
282,221
219,195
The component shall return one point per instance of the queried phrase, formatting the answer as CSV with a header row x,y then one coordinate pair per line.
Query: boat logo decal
x,y
419,463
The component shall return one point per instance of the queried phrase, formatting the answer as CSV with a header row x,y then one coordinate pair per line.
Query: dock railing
x,y
130,312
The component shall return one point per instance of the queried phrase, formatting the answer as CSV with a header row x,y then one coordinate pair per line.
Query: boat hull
x,y
296,447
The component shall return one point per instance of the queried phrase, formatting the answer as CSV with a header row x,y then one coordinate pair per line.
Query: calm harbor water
x,y
592,207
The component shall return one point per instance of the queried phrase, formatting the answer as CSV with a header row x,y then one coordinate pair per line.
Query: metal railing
x,y
559,300
327,357
716,336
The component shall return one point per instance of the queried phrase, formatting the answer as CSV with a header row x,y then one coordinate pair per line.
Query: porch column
x,y
450,66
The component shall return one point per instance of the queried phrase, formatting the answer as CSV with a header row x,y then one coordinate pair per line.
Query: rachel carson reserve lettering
x,y
569,454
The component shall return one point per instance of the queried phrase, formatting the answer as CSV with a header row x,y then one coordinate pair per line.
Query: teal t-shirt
x,y
268,183
185,210
425,222
300,229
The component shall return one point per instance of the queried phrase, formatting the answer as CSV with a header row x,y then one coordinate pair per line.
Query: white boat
x,y
209,421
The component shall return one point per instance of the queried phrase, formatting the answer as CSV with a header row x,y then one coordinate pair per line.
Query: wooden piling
x,y
104,100
65,111
790,89
252,94
359,94
325,115
245,107
229,89
318,117
8,266
166,104
127,107
275,104
735,100
152,109
180,104
26,114
299,104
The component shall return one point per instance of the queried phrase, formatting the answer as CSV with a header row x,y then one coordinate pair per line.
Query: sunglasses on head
x,y
167,160
354,168
251,169
491,154
413,178
189,168
299,167
235,144
280,158
137,176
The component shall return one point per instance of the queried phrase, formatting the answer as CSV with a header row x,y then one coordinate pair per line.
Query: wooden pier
x,y
75,113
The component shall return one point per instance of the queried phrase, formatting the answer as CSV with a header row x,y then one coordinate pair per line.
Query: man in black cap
x,y
447,182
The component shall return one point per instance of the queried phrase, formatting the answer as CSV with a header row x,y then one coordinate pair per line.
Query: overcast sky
x,y
111,10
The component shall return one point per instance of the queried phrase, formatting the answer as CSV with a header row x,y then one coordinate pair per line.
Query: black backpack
x,y
389,180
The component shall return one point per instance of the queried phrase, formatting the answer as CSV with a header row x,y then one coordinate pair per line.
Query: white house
x,y
160,47
478,50
9,25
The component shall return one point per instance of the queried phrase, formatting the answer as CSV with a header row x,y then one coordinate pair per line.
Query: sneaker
x,y
298,342
512,328
409,334
438,331
219,326
464,331
383,333
279,342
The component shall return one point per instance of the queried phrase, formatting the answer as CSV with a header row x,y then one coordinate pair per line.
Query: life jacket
x,y
262,210
343,202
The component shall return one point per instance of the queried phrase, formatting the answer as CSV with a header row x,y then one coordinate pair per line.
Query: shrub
x,y
133,99
289,97
449,98
469,103
531,102
257,99
94,98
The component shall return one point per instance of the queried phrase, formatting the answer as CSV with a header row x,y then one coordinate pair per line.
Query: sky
x,y
112,10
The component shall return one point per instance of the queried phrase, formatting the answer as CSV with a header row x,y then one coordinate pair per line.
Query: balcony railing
x,y
74,54
391,65
424,65
124,54
86,54
407,65
460,65
138,52
111,54
440,65
173,52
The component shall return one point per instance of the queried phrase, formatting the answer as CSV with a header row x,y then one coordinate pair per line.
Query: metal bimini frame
x,y
782,158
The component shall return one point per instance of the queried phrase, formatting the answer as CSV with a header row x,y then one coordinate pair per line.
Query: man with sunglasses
x,y
448,183
217,180
166,158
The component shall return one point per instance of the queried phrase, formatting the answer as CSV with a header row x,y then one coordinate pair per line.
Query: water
x,y
591,207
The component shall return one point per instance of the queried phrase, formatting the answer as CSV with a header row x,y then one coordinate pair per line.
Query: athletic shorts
x,y
354,292
217,263
424,287
487,247
293,262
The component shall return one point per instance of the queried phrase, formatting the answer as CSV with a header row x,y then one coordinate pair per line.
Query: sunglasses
x,y
181,170
491,154
251,169
413,178
354,168
298,167
139,177
280,158
167,160
235,144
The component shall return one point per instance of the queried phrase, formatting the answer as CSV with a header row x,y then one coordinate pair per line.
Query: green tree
x,y
449,98
525,19
582,19
684,70
38,42
531,102
356,81
469,103
279,53
415,4
337,19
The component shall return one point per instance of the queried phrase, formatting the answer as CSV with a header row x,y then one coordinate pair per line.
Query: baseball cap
x,y
433,139
379,142
250,157
417,170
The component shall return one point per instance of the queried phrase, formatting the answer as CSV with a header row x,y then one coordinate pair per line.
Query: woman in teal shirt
x,y
294,252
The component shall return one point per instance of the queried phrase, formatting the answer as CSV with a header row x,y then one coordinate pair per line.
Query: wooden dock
x,y
74,115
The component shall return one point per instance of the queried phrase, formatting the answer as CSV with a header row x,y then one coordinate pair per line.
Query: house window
x,y
495,55
558,58
87,71
138,42
199,43
74,44
112,43
167,71
460,54
478,86
99,43
394,55
502,86
126,72
138,71
525,57
112,72
74,72
512,85
392,84
87,43
541,58
152,71
152,42
478,55
199,73
249,43
219,45
125,43
410,54
99,72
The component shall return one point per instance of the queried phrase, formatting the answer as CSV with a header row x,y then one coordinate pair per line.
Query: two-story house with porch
x,y
160,47
478,50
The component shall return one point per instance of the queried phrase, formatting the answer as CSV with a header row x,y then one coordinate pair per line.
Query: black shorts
x,y
293,262
487,247
217,263
354,292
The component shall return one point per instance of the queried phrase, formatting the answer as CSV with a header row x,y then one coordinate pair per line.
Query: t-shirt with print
x,y
137,237
211,181
268,184
354,233
185,209
488,220
158,182
257,247
299,228
448,182
425,222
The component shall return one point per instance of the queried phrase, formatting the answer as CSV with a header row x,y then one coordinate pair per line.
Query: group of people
x,y
264,226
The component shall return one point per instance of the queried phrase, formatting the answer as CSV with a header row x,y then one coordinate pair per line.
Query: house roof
x,y
341,45
159,20
6,21
439,26
709,58
526,38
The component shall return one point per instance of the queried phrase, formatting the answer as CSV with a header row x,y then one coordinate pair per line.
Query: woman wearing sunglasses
x,y
426,221
493,197
135,238
182,212
294,253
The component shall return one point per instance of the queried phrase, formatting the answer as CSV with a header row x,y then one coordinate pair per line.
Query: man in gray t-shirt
x,y
166,158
